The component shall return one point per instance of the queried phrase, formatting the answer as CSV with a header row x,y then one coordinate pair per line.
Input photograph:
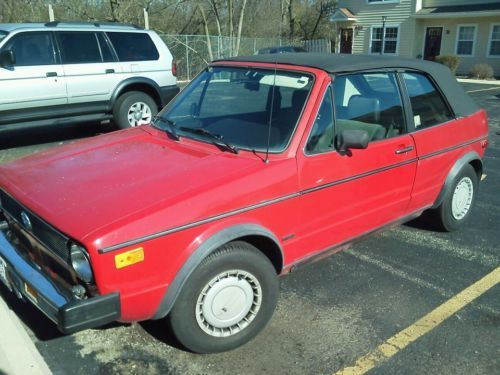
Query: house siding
x,y
448,41
445,3
368,15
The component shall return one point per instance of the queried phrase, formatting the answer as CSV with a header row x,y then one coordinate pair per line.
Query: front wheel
x,y
227,300
459,200
134,108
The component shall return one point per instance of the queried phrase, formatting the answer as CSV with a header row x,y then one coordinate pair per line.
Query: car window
x,y
321,136
369,102
429,107
78,47
3,34
133,46
244,105
32,48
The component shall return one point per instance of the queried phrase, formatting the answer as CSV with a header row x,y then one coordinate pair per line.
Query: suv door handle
x,y
403,150
51,74
108,71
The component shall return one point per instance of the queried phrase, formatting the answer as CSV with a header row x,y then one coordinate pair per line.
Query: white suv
x,y
56,73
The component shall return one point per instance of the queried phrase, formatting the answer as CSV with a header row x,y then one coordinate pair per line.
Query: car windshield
x,y
243,106
3,34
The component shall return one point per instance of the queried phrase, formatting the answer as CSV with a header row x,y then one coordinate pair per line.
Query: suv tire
x,y
134,108
226,301
458,201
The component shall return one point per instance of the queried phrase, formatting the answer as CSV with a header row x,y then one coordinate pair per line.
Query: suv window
x,y
369,102
133,46
78,47
429,107
107,55
321,137
32,48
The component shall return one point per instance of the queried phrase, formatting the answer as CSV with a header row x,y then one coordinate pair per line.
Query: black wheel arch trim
x,y
133,81
205,249
454,171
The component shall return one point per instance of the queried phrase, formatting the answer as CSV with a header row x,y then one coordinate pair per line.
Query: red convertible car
x,y
260,164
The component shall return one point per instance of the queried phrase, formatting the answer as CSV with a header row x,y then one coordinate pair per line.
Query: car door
x,y
345,195
34,82
440,138
89,66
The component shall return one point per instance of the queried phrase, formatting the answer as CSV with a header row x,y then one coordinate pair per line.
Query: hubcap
x,y
139,114
228,303
462,198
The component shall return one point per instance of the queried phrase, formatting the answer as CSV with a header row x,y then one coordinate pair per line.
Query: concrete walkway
x,y
18,354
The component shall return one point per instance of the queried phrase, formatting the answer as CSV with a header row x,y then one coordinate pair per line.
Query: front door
x,y
345,40
345,195
433,37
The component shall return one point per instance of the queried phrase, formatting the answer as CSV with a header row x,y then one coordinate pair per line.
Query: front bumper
x,y
70,314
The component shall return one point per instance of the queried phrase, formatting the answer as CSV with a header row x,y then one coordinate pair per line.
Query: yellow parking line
x,y
430,321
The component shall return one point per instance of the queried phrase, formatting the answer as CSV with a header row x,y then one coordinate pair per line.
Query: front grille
x,y
50,237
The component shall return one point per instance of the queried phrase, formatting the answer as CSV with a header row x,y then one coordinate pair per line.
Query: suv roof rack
x,y
96,24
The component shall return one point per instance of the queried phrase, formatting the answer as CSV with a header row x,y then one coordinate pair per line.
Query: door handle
x,y
51,74
403,150
108,71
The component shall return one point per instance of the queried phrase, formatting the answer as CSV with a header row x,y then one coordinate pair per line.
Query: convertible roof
x,y
460,102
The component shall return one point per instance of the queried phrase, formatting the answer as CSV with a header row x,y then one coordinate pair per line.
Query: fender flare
x,y
135,80
205,249
454,171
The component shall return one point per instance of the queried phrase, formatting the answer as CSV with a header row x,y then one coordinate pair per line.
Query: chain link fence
x,y
192,52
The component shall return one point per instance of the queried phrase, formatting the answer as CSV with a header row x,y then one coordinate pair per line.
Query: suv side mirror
x,y
7,58
356,139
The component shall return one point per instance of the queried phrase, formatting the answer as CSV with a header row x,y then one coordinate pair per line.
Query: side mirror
x,y
7,58
355,139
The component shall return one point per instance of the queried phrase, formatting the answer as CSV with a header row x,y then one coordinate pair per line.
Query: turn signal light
x,y
129,257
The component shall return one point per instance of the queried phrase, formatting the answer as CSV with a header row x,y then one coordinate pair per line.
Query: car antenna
x,y
266,160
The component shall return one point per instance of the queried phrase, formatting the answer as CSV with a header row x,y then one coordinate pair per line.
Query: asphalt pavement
x,y
388,304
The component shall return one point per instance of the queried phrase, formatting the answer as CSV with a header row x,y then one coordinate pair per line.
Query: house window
x,y
494,44
466,37
390,40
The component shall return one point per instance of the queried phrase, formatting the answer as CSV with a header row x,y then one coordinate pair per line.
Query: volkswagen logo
x,y
26,221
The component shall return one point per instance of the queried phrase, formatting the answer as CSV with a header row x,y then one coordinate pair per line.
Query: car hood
x,y
105,184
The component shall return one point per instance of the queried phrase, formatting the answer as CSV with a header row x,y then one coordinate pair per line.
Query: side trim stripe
x,y
249,208
280,199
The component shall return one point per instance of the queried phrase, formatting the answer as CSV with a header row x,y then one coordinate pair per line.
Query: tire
x,y
134,108
455,210
227,300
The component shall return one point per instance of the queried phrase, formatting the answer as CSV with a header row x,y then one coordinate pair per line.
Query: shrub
x,y
451,61
481,71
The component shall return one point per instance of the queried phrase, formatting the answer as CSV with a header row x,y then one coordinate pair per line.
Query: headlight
x,y
80,263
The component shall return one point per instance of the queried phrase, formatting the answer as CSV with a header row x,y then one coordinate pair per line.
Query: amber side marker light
x,y
129,257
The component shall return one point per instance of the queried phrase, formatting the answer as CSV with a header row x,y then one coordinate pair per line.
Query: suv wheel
x,y
226,301
134,108
459,200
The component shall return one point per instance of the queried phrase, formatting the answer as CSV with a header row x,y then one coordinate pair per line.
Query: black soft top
x,y
460,102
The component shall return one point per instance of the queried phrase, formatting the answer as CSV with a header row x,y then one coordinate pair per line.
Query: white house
x,y
424,29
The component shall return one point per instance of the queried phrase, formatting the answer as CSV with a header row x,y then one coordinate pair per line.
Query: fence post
x,y
51,13
187,60
146,19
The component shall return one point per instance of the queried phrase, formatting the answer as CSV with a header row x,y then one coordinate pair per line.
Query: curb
x,y
480,81
18,354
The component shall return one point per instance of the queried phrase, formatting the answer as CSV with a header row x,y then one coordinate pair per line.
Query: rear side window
x,y
32,48
133,46
79,47
429,107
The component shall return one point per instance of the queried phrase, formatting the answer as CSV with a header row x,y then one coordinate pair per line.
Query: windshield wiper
x,y
169,123
208,133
